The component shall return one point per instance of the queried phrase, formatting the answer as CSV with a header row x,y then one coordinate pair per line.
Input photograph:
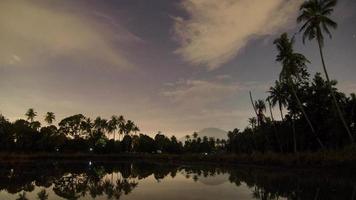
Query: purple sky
x,y
172,66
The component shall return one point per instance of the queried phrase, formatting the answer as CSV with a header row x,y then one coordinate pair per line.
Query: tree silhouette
x,y
31,114
278,95
261,108
315,14
50,117
293,67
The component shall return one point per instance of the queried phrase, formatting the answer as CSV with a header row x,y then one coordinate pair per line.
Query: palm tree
x,y
277,95
121,124
31,114
261,108
252,121
274,124
293,64
100,124
113,125
135,129
86,126
128,127
50,117
315,16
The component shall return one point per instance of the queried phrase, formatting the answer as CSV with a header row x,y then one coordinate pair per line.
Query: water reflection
x,y
83,180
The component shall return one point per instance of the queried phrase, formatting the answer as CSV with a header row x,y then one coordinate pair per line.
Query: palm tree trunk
x,y
305,114
317,194
254,107
294,137
280,110
274,126
333,94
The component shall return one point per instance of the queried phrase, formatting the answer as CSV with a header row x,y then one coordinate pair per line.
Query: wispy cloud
x,y
34,34
217,30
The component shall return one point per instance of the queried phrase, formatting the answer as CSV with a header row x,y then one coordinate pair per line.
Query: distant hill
x,y
211,132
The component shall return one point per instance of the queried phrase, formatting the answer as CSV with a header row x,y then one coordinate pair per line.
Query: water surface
x,y
156,181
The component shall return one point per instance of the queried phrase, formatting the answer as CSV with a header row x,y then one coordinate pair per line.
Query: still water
x,y
158,181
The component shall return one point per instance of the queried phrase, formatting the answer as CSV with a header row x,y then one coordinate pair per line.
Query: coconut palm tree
x,y
121,124
100,124
315,16
112,125
86,126
260,108
252,121
128,127
277,95
274,124
50,117
293,65
31,114
135,129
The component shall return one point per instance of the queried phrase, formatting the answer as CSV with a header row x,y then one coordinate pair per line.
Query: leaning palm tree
x,y
31,114
315,16
261,108
277,95
293,65
50,117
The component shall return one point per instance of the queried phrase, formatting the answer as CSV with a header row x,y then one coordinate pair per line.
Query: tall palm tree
x,y
274,124
31,114
261,108
129,126
50,117
100,124
293,64
277,95
112,125
315,16
86,126
121,125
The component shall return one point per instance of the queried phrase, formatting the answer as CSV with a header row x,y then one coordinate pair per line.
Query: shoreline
x,y
293,161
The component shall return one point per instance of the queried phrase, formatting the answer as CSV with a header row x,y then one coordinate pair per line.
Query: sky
x,y
174,66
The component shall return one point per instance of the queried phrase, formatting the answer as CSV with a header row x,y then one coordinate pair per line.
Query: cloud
x,y
200,93
35,34
216,31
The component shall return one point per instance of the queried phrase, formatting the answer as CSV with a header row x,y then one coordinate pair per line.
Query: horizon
x,y
172,66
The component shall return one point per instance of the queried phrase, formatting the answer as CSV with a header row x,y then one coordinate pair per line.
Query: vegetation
x,y
314,114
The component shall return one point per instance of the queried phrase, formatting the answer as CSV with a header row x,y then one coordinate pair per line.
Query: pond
x,y
159,181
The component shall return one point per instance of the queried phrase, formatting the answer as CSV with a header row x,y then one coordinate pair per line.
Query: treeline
x,y
78,133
